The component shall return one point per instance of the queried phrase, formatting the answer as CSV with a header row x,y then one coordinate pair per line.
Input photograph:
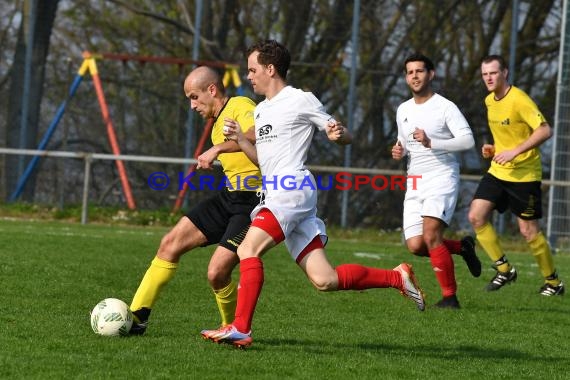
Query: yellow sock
x,y
489,241
226,299
541,252
159,273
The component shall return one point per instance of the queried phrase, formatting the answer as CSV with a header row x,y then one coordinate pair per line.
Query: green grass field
x,y
52,274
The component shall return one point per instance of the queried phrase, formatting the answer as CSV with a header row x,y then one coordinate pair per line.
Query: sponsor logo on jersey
x,y
265,130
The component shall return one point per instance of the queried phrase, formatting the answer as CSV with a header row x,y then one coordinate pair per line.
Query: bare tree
x,y
149,109
42,21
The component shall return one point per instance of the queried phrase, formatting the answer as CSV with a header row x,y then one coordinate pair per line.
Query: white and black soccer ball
x,y
111,317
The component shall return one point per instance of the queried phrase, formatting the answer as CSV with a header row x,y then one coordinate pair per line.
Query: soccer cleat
x,y
501,279
140,321
551,290
138,328
470,256
230,335
449,302
212,334
410,287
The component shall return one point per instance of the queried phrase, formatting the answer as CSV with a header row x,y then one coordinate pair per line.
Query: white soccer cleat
x,y
410,288
228,334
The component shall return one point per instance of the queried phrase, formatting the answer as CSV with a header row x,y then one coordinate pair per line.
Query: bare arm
x,y
206,159
245,141
540,135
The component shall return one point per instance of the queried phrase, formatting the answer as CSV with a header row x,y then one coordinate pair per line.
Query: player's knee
x,y
218,277
475,219
168,249
431,240
416,247
528,232
246,250
417,251
324,284
420,252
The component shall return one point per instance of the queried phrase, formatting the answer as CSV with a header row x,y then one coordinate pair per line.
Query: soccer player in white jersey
x,y
284,126
430,130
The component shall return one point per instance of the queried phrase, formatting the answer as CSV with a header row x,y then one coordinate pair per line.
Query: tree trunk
x,y
43,19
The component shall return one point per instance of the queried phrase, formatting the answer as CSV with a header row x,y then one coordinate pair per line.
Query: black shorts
x,y
523,198
225,217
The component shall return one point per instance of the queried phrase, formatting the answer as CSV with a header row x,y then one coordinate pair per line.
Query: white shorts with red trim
x,y
435,195
296,212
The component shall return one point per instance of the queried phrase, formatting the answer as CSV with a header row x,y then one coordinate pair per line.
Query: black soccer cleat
x,y
551,290
501,279
449,302
470,256
140,321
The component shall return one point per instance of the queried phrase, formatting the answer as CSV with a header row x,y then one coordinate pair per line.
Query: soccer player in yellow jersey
x,y
514,178
223,219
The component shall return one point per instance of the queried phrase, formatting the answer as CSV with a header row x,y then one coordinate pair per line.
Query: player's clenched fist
x,y
398,151
488,150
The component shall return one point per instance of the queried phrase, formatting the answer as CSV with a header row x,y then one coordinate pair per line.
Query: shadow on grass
x,y
427,351
549,310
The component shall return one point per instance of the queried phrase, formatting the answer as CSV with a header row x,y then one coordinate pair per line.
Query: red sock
x,y
358,277
250,284
442,265
454,246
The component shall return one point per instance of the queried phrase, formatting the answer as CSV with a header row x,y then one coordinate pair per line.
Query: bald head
x,y
205,90
202,77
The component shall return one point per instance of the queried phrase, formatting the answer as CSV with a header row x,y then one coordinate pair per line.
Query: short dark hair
x,y
495,57
273,53
419,57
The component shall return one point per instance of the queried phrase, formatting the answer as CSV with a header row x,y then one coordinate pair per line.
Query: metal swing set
x,y
89,66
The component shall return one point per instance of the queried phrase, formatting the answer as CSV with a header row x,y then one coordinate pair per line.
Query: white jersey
x,y
436,192
441,120
284,128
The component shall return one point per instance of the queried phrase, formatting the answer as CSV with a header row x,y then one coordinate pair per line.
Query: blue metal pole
x,y
43,143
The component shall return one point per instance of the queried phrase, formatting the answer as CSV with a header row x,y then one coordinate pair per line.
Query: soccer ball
x,y
111,317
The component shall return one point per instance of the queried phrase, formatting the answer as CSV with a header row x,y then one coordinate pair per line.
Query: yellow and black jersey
x,y
512,120
240,172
